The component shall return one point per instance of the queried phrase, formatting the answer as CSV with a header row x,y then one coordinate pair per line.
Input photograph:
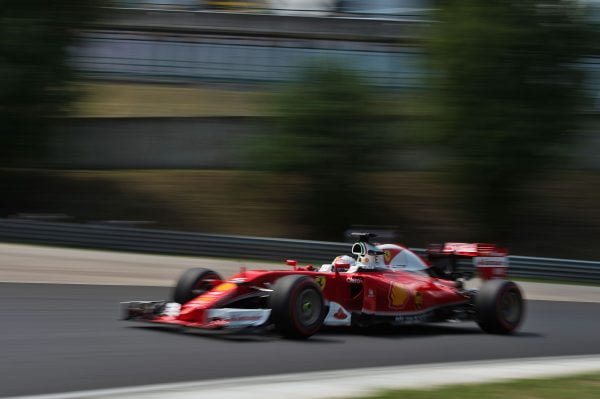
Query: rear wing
x,y
490,261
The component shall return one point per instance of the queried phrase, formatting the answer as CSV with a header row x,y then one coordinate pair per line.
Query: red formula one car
x,y
380,284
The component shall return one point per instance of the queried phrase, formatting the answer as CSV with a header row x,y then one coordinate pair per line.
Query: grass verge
x,y
119,99
586,386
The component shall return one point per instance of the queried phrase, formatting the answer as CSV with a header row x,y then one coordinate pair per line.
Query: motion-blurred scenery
x,y
462,119
141,138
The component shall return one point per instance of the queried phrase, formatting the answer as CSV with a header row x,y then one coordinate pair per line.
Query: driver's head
x,y
343,262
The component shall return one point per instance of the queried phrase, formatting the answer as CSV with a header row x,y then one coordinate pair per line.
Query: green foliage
x,y
34,39
323,125
581,387
325,134
510,93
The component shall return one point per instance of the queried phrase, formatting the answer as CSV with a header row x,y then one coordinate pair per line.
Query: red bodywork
x,y
489,260
383,284
379,293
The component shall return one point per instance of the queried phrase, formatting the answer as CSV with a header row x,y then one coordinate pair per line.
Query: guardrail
x,y
187,243
165,241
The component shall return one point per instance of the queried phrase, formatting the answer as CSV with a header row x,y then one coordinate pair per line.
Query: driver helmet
x,y
343,262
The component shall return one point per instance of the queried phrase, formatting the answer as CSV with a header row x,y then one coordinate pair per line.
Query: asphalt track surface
x,y
58,338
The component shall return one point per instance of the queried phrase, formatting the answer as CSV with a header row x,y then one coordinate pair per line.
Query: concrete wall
x,y
207,143
154,142
224,143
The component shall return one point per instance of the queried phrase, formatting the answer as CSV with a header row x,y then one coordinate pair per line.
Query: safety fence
x,y
154,44
171,57
106,236
385,9
176,46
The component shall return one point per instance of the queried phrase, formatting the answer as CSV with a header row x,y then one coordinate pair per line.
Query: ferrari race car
x,y
379,284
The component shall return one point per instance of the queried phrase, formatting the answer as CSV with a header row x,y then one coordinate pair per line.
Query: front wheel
x,y
297,306
499,307
194,282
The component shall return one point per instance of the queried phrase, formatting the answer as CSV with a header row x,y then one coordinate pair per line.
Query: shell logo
x,y
398,295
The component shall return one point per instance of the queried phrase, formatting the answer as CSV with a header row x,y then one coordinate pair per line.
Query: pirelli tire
x,y
194,282
297,306
499,307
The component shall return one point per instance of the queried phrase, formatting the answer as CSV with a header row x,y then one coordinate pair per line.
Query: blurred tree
x,y
325,134
509,91
35,36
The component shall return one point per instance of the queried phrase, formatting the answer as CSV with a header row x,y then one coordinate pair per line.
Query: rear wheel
x,y
499,307
297,306
194,282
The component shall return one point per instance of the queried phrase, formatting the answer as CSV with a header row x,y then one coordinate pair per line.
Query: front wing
x,y
168,313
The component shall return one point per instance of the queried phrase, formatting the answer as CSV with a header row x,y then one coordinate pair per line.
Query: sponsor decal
x,y
204,299
418,300
321,281
172,309
233,318
370,293
354,280
224,287
337,315
216,293
389,254
398,295
246,318
413,318
490,261
340,314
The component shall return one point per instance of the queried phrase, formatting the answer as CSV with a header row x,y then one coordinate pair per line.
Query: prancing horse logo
x,y
321,280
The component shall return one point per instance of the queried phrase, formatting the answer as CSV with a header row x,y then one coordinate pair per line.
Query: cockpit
x,y
370,256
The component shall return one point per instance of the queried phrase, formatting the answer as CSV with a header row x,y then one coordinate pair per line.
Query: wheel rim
x,y
308,307
510,307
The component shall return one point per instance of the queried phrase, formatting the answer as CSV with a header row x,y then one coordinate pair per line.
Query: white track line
x,y
347,383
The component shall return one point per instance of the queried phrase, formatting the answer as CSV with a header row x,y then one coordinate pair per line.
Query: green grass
x,y
121,99
118,99
585,386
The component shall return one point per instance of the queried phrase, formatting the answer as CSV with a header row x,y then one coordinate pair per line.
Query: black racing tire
x,y
297,306
499,307
194,282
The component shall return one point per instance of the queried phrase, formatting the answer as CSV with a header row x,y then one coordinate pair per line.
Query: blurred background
x,y
437,120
